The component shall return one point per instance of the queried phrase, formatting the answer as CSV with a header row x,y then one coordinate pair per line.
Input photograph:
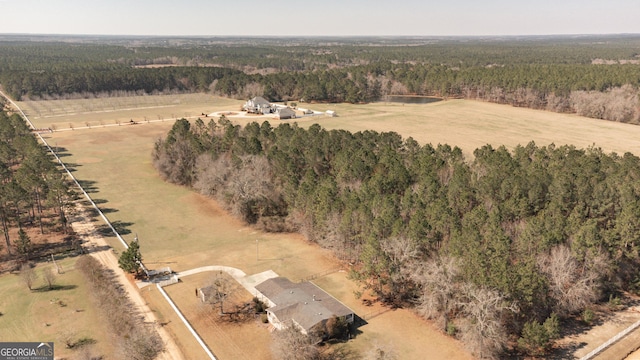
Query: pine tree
x,y
131,259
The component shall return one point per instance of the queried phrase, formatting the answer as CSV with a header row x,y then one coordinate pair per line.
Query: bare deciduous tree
x,y
28,275
291,344
571,286
49,277
401,252
617,104
212,174
252,89
482,330
439,282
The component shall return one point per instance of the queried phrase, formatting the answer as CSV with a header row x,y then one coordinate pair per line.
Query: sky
x,y
319,17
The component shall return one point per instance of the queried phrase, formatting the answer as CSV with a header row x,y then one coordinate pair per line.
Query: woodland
x,y
594,76
499,250
34,194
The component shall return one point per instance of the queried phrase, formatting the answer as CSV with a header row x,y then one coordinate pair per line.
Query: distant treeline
x,y
496,248
593,76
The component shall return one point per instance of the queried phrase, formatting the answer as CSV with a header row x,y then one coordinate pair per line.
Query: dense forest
x,y
499,250
34,193
595,76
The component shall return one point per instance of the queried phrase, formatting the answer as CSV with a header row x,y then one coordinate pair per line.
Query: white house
x,y
257,105
304,304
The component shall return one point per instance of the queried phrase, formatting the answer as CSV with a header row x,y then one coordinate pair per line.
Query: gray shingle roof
x,y
305,303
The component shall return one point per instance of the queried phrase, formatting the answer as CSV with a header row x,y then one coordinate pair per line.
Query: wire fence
x,y
371,315
318,275
611,341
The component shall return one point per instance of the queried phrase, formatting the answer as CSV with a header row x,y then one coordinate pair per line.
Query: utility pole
x,y
257,251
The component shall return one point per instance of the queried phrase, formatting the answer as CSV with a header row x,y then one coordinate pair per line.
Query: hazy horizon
x,y
330,18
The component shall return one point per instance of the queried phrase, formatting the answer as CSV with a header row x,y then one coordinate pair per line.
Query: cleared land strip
x,y
96,246
87,231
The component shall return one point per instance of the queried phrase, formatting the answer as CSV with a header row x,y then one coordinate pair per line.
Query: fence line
x,y
373,314
186,323
64,167
320,274
609,342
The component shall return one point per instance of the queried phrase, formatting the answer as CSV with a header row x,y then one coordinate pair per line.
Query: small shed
x,y
331,113
207,294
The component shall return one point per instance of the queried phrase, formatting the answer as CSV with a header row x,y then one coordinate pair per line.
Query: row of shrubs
x,y
134,338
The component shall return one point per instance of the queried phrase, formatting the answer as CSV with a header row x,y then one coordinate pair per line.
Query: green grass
x,y
51,315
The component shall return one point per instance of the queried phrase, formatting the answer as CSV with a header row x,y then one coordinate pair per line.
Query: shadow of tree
x,y
60,151
89,186
354,328
108,210
121,227
54,287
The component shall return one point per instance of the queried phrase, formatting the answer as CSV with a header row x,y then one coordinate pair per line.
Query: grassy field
x,y
472,124
53,315
184,230
466,124
65,114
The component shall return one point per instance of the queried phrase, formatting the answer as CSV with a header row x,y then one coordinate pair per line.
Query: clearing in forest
x,y
181,229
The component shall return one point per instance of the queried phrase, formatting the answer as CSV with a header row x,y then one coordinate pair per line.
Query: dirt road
x,y
99,249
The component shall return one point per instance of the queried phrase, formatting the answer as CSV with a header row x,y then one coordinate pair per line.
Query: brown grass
x,y
228,340
472,124
184,230
52,315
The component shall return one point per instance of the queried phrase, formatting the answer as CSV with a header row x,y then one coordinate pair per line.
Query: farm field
x,y
463,123
184,230
53,315
472,124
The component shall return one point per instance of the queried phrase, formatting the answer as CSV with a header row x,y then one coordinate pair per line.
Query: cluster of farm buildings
x,y
259,105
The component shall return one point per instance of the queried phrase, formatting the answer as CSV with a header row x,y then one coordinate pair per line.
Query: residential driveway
x,y
248,282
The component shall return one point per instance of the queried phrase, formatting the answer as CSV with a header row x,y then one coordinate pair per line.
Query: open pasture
x,y
472,124
64,313
98,112
183,230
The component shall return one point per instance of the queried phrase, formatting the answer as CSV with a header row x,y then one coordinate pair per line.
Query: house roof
x,y
286,111
305,303
259,100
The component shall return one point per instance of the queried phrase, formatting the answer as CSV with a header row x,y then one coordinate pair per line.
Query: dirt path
x,y
584,341
99,249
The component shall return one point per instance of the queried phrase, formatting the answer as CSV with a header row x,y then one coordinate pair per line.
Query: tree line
x,y
592,76
33,187
492,248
